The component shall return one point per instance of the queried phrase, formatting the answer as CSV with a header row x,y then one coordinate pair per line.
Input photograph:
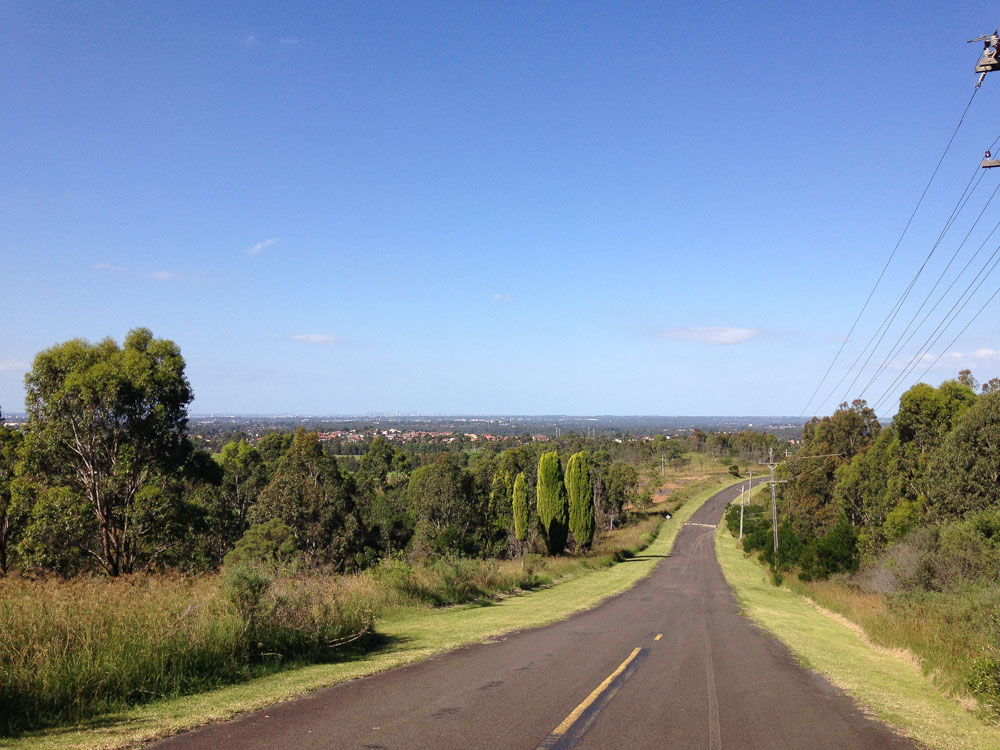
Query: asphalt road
x,y
670,663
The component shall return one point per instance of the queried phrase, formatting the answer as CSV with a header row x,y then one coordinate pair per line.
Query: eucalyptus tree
x,y
104,421
316,500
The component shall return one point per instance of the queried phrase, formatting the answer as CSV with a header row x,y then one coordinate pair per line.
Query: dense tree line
x,y
917,501
105,478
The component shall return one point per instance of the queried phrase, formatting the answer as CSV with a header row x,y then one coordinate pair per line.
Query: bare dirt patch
x,y
663,494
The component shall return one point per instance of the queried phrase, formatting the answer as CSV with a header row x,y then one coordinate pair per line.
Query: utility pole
x,y
774,503
741,511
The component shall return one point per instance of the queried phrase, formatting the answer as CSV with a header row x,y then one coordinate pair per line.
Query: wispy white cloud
x,y
497,297
13,365
162,275
256,249
958,360
252,40
290,40
316,338
710,334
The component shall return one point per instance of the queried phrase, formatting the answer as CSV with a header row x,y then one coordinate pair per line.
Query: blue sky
x,y
582,208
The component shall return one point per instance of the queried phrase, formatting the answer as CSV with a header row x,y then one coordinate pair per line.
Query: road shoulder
x,y
411,638
887,685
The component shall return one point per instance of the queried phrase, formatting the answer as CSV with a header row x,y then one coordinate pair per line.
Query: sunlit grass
x,y
890,684
410,633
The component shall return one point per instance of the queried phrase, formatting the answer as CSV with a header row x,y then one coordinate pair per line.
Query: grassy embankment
x,y
408,630
888,682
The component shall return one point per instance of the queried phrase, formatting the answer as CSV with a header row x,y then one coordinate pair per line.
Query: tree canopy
x,y
553,505
104,421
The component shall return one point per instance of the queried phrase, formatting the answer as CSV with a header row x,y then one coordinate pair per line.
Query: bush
x,y
832,553
267,543
246,587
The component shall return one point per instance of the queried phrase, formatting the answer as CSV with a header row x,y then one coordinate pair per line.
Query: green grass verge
x,y
411,635
889,685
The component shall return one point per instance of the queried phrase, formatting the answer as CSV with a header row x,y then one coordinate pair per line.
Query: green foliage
x,y
440,498
900,521
984,682
828,443
790,547
519,502
10,444
834,552
580,491
58,531
445,581
621,485
644,499
131,403
966,550
863,495
553,504
965,471
244,477
734,470
382,478
269,543
246,587
311,496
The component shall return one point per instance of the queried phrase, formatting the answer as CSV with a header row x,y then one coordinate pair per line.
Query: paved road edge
x,y
886,685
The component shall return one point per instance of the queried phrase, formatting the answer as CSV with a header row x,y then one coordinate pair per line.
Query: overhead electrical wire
x,y
941,298
890,317
967,195
943,326
964,329
897,346
892,254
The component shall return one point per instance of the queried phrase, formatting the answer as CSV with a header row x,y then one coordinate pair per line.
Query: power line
x,y
892,254
943,326
940,299
964,329
891,318
897,346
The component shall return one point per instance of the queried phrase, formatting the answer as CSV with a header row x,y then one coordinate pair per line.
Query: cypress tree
x,y
553,506
580,488
519,502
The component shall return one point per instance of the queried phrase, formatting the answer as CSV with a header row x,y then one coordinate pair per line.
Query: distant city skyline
x,y
517,209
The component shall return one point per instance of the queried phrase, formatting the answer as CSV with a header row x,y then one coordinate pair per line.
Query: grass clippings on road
x,y
887,684
410,635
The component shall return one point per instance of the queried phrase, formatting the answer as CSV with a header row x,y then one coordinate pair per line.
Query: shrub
x,y
272,542
832,553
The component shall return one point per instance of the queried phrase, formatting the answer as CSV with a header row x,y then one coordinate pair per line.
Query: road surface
x,y
670,663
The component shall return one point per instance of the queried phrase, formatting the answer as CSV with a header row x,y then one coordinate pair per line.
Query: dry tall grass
x,y
76,649
955,635
73,649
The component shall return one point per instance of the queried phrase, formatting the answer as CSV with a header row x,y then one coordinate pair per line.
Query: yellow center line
x,y
569,720
658,636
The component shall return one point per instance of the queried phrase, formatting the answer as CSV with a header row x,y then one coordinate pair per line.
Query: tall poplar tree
x,y
553,505
580,488
519,502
